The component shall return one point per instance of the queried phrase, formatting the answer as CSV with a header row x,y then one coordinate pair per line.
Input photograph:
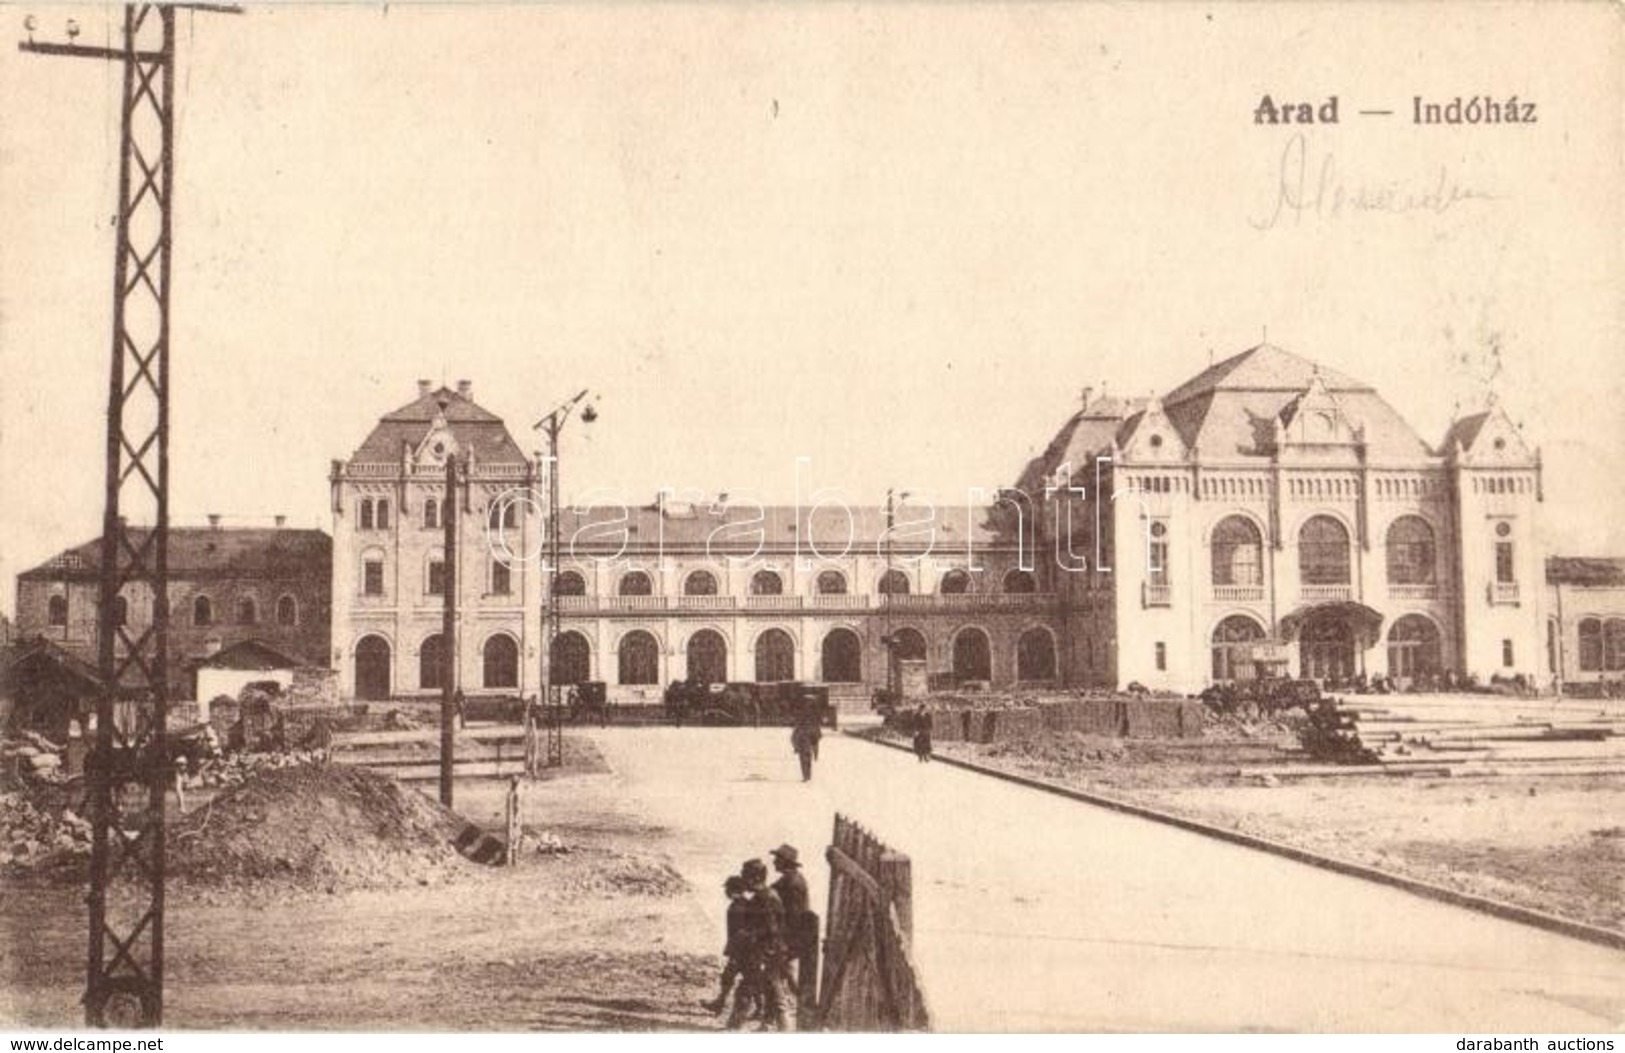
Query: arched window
x,y
287,611
1413,647
501,662
1323,552
383,513
766,583
248,612
503,515
366,513
56,610
202,611
1238,553
1233,641
1410,552
431,663
1590,645
121,610
843,657
639,658
571,583
636,583
955,583
700,583
908,644
572,658
1613,644
708,657
1035,655
831,583
775,657
893,583
973,656
1020,582
431,514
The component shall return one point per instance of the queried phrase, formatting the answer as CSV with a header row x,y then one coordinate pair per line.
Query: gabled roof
x,y
201,551
29,659
1595,571
475,429
249,654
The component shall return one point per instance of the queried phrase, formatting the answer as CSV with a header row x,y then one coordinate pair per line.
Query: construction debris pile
x,y
32,756
1006,717
316,827
34,835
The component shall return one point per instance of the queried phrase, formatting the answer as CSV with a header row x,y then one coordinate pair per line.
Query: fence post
x,y
896,874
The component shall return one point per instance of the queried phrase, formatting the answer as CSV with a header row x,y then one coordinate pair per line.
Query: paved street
x,y
1033,912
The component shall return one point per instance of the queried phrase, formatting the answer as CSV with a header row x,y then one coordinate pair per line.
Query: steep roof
x,y
1465,431
209,551
1262,368
1596,571
474,428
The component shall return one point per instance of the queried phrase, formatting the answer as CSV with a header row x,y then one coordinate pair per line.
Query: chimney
x,y
423,387
281,521
214,520
1083,396
465,388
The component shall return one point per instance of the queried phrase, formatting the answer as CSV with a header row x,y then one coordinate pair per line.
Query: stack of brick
x,y
312,686
1007,724
1164,718
947,726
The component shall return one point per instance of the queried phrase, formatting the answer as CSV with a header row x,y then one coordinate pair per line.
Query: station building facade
x,y
1274,515
1267,516
664,591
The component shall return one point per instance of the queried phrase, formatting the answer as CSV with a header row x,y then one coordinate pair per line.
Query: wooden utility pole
x,y
448,634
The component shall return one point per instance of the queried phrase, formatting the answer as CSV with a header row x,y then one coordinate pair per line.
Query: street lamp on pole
x,y
551,425
893,681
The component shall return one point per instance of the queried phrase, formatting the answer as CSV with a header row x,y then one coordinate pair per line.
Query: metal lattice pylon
x,y
128,768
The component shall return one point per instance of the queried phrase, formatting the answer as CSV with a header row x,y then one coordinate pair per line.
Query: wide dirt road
x,y
1033,912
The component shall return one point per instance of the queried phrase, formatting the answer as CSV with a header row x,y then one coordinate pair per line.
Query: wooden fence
x,y
869,981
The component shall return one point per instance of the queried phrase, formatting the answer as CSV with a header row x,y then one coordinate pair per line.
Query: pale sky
x,y
897,240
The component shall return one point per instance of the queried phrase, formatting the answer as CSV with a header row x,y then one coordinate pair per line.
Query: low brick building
x,y
226,586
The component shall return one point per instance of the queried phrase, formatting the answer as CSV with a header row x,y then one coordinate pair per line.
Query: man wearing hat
x,y
737,949
800,924
764,955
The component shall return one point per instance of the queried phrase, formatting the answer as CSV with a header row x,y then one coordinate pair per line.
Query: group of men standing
x,y
772,933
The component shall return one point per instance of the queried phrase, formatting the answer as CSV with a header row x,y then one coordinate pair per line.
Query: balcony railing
x,y
1323,593
821,602
1504,593
1238,593
772,603
1156,595
1413,592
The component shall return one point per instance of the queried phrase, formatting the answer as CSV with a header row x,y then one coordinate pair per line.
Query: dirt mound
x,y
320,827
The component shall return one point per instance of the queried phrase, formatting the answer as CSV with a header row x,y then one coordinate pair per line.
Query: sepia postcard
x,y
823,517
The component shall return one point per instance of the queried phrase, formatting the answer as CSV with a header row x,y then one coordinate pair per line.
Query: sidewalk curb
x,y
1506,911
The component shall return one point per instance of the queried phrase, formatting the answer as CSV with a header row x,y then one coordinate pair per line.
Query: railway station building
x,y
1269,515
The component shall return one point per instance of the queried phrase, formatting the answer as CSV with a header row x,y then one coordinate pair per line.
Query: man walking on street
x,y
765,955
800,924
801,740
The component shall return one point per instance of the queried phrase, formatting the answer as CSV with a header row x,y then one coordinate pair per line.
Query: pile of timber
x,y
414,756
1474,733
